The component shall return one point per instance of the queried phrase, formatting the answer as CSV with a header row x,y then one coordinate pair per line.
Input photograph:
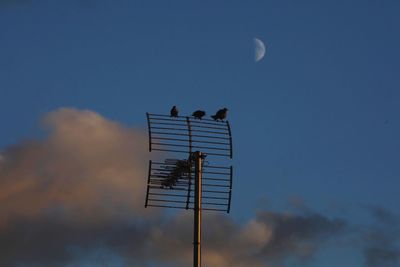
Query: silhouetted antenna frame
x,y
186,134
191,182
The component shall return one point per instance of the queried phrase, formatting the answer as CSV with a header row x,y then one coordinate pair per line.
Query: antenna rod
x,y
198,159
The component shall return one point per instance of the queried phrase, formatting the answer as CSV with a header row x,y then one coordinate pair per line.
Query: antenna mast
x,y
185,183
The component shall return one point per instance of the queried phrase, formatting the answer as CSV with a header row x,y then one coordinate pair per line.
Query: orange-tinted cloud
x,y
80,190
87,169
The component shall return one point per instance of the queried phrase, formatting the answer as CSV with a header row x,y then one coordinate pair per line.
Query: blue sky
x,y
316,122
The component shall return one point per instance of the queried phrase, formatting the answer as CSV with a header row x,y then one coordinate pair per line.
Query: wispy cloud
x,y
381,240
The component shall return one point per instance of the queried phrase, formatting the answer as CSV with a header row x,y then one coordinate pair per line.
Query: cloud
x,y
299,235
381,240
52,242
87,169
270,237
49,241
82,185
383,257
382,215
77,196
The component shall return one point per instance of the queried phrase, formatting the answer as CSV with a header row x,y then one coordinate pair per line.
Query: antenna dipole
x,y
170,182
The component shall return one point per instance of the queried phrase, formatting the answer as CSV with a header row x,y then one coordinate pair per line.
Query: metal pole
x,y
198,158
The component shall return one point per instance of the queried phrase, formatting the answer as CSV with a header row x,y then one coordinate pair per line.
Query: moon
x,y
259,49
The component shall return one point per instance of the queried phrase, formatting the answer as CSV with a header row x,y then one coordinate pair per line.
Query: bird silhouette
x,y
174,112
198,114
220,115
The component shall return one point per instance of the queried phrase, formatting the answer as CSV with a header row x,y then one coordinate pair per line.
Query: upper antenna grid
x,y
186,134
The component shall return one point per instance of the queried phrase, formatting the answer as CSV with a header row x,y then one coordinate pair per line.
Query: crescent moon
x,y
259,49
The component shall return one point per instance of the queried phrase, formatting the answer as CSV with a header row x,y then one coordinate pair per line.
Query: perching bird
x,y
220,115
198,114
174,112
